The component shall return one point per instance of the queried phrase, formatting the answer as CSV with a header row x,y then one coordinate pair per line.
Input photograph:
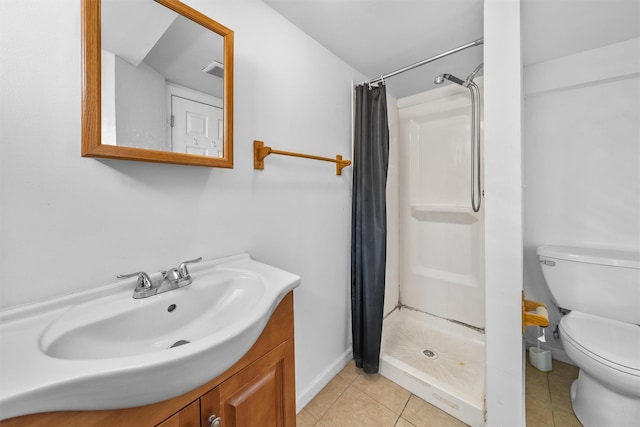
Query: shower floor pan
x,y
437,360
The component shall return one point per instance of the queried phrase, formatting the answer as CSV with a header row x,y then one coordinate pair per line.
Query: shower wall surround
x,y
68,223
581,158
441,238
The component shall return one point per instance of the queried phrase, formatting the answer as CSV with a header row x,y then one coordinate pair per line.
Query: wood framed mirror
x,y
157,83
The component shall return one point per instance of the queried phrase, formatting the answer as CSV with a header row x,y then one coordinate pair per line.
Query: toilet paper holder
x,y
534,313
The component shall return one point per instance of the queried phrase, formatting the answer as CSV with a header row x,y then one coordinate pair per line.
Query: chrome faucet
x,y
171,279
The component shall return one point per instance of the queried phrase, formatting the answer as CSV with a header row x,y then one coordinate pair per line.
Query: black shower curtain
x,y
369,224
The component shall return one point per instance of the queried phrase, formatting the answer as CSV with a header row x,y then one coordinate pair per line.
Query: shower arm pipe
x,y
260,151
476,42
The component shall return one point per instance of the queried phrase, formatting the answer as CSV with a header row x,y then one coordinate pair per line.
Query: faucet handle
x,y
144,281
172,274
184,272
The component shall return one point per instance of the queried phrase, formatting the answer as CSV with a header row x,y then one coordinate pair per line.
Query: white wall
x,y
503,213
70,223
581,158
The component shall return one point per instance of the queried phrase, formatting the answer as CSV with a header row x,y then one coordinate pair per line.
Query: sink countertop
x,y
32,381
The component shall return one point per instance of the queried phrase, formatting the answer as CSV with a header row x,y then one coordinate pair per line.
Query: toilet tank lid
x,y
591,255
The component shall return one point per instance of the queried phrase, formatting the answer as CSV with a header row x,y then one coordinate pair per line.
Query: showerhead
x,y
442,77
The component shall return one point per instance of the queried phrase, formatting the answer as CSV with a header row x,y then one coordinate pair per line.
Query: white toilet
x,y
601,334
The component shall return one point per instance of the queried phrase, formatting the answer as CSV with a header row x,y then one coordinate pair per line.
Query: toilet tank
x,y
601,282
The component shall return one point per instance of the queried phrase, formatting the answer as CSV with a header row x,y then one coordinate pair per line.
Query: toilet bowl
x,y
607,391
601,334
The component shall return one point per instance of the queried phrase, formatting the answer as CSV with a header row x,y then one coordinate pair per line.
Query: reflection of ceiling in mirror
x,y
130,28
182,53
177,48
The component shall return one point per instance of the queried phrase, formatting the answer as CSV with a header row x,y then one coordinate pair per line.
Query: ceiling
x,y
379,36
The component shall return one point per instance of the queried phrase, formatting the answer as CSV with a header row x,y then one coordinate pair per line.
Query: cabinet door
x,y
187,417
263,394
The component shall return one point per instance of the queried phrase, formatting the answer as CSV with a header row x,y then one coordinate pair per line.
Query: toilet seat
x,y
610,342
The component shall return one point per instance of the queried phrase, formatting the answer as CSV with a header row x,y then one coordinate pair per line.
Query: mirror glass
x,y
165,83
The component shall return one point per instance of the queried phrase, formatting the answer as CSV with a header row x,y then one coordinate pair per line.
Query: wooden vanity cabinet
x,y
259,390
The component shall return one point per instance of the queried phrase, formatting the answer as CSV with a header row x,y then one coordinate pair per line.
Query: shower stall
x,y
433,331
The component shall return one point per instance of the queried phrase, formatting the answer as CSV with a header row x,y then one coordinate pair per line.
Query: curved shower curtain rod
x,y
476,42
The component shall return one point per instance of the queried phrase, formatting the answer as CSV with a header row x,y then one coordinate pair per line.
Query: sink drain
x,y
179,343
431,355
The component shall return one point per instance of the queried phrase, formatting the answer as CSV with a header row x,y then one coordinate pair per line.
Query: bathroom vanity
x,y
258,390
215,350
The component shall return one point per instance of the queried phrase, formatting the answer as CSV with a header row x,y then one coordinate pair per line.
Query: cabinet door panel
x,y
256,395
258,403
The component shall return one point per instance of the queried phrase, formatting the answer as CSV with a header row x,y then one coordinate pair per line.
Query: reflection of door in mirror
x,y
196,127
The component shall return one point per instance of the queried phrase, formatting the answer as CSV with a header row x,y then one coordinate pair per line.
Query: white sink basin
x,y
110,327
102,349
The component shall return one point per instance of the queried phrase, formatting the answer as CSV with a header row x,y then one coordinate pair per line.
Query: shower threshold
x,y
437,360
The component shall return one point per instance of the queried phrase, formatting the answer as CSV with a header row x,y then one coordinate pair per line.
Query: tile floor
x,y
354,399
548,402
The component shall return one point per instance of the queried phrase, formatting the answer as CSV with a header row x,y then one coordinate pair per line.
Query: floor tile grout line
x,y
405,407
310,414
317,419
406,404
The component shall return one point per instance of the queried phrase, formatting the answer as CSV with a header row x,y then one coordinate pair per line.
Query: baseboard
x,y
323,379
556,353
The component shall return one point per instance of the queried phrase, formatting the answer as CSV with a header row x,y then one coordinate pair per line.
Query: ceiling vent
x,y
215,69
